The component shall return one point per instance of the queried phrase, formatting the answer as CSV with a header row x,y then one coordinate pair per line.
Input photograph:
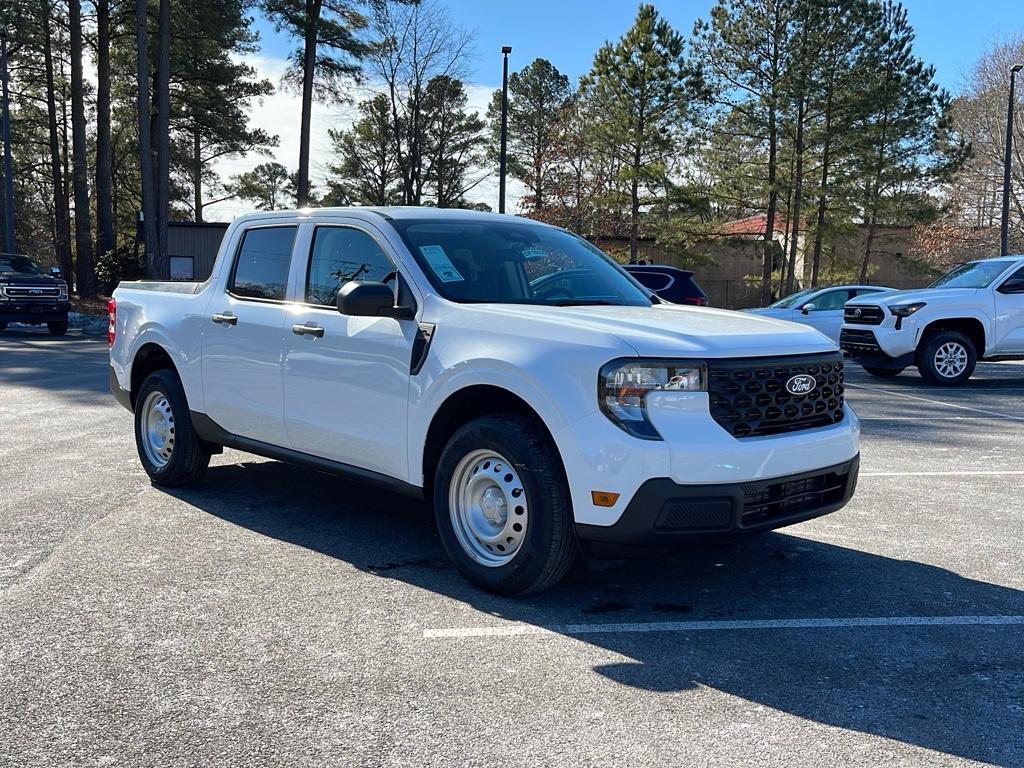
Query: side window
x,y
261,267
831,300
339,255
655,281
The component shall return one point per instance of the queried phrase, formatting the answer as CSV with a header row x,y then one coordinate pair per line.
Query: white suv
x,y
974,312
505,370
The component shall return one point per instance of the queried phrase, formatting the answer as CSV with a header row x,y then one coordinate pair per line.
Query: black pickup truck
x,y
30,294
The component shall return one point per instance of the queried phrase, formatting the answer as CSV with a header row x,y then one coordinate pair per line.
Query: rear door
x,y
242,338
346,379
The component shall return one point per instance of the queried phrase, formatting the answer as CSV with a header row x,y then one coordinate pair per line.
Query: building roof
x,y
751,226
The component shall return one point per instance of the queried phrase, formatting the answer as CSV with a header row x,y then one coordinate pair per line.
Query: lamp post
x,y
5,130
1005,223
505,50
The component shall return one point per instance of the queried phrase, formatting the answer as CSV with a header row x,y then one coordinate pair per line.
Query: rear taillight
x,y
111,321
697,301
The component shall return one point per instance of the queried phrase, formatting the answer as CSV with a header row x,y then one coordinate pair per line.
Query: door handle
x,y
224,319
308,330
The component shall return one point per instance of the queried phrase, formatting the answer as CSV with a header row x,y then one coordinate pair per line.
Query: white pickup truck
x,y
974,312
505,370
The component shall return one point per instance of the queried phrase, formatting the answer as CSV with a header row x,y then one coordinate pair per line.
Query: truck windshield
x,y
516,263
22,265
974,274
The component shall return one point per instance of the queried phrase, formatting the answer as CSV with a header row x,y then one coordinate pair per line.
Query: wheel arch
x,y
462,406
148,358
971,327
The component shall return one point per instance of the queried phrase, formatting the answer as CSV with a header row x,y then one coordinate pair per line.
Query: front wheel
x,y
170,451
947,358
883,373
502,506
58,328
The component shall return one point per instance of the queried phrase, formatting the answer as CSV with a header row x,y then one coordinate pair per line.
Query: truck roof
x,y
384,212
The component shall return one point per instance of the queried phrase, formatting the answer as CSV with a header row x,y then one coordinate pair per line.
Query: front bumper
x,y
35,313
663,512
867,347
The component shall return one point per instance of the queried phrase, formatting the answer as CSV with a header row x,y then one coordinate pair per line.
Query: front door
x,y
242,338
1009,320
827,315
346,379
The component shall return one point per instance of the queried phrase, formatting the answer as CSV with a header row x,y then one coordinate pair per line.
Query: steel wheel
x,y
488,508
157,429
950,359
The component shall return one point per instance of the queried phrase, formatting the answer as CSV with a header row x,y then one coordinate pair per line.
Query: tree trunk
x,y
197,174
145,147
826,157
104,171
85,265
798,195
773,201
163,134
308,70
61,227
634,219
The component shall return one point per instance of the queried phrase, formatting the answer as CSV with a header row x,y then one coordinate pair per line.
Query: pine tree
x,y
268,185
454,142
646,92
366,170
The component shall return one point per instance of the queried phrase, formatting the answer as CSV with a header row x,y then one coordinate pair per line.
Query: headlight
x,y
623,385
906,310
63,292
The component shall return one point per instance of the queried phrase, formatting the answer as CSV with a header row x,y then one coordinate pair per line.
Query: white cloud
x,y
280,114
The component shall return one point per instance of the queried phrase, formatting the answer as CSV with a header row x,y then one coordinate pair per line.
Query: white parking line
x,y
950,473
937,402
517,629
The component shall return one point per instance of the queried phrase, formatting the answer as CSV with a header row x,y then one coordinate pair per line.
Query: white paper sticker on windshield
x,y
440,263
534,253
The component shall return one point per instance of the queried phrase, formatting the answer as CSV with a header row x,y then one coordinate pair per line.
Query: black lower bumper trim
x,y
862,346
663,512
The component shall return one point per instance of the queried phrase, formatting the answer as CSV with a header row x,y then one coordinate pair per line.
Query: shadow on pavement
x,y
74,366
952,689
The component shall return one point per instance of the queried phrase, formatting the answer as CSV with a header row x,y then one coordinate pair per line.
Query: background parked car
x,y
670,283
31,294
820,308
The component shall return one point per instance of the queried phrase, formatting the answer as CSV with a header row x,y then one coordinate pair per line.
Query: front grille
x,y
748,397
31,293
863,315
854,340
696,515
768,501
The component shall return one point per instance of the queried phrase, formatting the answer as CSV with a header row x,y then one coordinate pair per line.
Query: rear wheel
x,y
3,327
170,451
884,373
58,328
502,506
946,358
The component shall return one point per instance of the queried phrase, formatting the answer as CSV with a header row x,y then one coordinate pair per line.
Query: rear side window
x,y
341,255
655,281
261,268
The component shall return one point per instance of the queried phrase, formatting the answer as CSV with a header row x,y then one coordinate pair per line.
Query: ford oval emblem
x,y
801,384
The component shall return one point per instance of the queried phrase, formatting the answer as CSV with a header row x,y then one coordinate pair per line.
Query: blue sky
x,y
950,33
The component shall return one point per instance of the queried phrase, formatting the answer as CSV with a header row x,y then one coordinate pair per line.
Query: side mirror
x,y
807,308
1013,285
370,299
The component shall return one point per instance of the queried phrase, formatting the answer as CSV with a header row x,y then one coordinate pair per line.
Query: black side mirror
x,y
1013,285
370,299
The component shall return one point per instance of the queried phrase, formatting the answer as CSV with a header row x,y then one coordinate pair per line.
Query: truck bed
x,y
165,286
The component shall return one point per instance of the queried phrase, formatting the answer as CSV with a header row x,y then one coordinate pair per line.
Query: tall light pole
x,y
5,130
505,50
1004,229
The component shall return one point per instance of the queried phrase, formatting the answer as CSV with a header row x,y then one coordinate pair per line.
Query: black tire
x,y
927,351
189,457
548,547
58,328
884,373
3,327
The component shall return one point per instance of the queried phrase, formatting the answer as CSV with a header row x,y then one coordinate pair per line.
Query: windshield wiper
x,y
583,303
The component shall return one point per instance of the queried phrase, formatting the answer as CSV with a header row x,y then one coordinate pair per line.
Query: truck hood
x,y
927,295
20,278
671,330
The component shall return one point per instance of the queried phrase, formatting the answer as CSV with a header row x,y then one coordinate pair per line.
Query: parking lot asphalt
x,y
275,616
